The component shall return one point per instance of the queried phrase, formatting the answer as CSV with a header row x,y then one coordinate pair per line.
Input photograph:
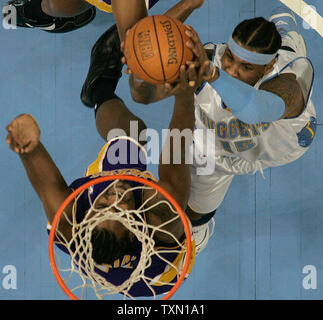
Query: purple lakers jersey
x,y
125,156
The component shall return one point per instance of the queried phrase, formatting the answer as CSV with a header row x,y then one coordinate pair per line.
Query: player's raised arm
x,y
128,13
174,159
49,184
173,169
183,9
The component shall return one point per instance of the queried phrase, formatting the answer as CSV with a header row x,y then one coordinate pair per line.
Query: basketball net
x,y
79,246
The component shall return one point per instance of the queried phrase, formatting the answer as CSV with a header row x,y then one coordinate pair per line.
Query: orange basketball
x,y
155,48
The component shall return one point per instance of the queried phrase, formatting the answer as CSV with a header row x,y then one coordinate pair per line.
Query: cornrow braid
x,y
258,34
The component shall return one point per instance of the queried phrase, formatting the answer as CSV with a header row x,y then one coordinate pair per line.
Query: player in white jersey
x,y
257,114
233,146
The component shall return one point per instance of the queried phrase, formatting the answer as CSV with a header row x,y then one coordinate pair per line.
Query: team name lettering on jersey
x,y
234,128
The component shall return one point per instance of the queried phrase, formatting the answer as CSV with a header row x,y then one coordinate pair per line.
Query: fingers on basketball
x,y
155,49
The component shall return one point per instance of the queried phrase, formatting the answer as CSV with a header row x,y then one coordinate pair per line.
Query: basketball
x,y
155,48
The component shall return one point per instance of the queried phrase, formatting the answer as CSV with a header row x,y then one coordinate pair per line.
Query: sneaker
x,y
49,24
105,63
286,25
284,20
202,234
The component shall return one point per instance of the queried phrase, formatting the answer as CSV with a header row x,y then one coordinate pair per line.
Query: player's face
x,y
241,69
118,191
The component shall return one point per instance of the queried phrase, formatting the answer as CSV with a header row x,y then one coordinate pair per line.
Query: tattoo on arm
x,y
287,87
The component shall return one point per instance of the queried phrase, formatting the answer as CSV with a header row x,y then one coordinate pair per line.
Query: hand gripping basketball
x,y
201,57
155,48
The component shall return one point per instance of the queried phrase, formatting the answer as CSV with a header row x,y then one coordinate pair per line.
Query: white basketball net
x,y
81,254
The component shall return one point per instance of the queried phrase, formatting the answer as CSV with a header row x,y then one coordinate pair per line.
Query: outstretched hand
x,y
190,79
201,57
197,71
23,134
194,73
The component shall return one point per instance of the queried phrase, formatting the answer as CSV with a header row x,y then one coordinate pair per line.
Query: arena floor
x,y
269,231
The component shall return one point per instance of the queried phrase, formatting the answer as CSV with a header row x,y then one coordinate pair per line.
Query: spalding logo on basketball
x,y
155,48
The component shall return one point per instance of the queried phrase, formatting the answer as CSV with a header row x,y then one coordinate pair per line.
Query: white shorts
x,y
208,191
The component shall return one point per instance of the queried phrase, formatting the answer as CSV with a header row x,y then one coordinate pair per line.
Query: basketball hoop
x,y
84,268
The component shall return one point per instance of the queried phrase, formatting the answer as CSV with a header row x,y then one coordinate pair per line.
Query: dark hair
x,y
106,248
258,34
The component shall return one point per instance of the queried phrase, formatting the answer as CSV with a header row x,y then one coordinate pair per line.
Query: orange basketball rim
x,y
148,183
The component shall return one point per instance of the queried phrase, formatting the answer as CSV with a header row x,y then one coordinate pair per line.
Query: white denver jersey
x,y
234,147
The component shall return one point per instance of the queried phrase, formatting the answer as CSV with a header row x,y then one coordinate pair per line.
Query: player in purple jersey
x,y
58,16
127,16
111,241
